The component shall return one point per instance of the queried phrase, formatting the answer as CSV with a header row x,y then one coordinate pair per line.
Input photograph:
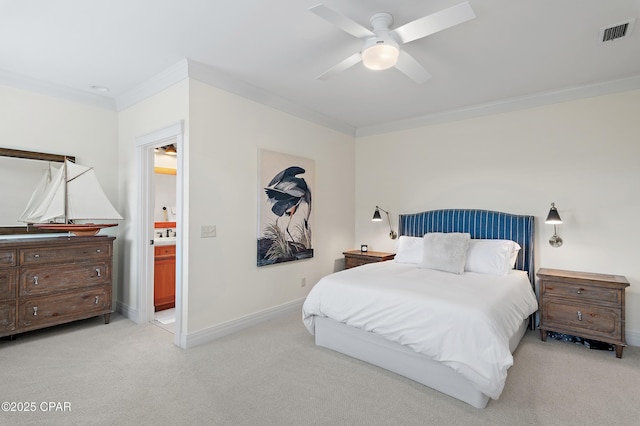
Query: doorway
x,y
164,188
146,149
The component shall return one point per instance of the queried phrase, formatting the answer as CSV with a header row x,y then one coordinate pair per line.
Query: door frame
x,y
145,148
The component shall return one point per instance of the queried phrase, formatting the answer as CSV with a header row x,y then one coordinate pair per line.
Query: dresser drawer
x,y
7,258
7,283
49,278
34,256
583,319
582,292
37,312
7,317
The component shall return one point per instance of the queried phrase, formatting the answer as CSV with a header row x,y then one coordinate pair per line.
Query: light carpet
x,y
273,374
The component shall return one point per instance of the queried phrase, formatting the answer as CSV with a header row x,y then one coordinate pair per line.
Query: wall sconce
x,y
378,218
553,218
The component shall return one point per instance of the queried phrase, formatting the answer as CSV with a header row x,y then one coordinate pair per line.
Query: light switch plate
x,y
207,231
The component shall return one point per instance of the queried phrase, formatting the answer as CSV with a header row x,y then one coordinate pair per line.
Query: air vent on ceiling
x,y
617,31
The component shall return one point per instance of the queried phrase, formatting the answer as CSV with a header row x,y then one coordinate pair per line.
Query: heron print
x,y
286,224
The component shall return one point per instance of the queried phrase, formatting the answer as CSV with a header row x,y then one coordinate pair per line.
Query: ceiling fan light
x,y
380,56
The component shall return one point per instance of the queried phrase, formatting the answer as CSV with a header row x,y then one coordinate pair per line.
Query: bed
x,y
451,330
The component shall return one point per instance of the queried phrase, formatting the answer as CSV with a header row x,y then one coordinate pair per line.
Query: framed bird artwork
x,y
286,185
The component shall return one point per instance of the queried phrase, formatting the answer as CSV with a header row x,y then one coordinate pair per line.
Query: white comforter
x,y
464,321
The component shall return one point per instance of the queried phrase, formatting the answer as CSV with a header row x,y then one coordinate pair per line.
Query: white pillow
x,y
445,251
409,250
494,257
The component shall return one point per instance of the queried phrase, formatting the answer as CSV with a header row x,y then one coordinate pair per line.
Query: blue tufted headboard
x,y
480,224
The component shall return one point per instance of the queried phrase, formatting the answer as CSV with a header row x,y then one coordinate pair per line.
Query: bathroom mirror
x,y
20,172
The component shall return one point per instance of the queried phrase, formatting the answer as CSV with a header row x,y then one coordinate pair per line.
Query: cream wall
x,y
226,132
583,155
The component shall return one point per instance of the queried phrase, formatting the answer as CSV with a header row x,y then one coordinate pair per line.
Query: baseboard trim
x,y
128,312
212,333
633,338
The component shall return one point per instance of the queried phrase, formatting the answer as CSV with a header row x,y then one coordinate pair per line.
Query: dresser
x,y
50,281
353,258
583,304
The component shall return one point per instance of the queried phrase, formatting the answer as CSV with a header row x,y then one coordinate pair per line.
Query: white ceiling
x,y
513,51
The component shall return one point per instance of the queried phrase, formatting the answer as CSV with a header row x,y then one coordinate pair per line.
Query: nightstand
x,y
353,258
583,304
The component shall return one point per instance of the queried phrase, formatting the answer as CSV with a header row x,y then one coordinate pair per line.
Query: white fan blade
x,y
341,21
412,68
435,22
346,64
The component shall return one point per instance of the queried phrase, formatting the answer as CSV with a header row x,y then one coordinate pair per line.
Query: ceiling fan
x,y
381,48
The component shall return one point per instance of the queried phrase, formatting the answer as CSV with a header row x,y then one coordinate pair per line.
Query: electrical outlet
x,y
207,231
303,282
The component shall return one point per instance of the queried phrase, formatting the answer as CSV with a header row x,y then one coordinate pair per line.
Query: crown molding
x,y
18,81
156,84
506,105
187,68
226,82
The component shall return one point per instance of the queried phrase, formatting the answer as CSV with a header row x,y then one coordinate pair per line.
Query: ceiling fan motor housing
x,y
382,51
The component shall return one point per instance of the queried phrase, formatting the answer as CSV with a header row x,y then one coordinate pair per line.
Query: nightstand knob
x,y
579,316
580,290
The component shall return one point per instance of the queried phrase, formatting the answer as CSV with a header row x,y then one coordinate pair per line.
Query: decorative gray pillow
x,y
445,251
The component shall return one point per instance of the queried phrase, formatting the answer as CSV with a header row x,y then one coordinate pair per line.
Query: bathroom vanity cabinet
x,y
164,277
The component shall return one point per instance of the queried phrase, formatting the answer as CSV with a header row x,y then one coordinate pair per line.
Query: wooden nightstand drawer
x,y
352,262
353,258
582,292
603,321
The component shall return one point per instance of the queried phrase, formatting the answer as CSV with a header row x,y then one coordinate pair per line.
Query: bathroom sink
x,y
164,241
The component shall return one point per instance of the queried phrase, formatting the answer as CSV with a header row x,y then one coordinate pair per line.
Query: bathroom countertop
x,y
164,241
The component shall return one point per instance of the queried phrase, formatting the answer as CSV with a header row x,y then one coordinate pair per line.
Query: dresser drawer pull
x,y
579,316
35,311
96,301
98,271
37,256
580,290
35,280
98,251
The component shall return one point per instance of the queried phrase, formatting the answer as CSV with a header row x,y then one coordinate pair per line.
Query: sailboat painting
x,y
67,195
